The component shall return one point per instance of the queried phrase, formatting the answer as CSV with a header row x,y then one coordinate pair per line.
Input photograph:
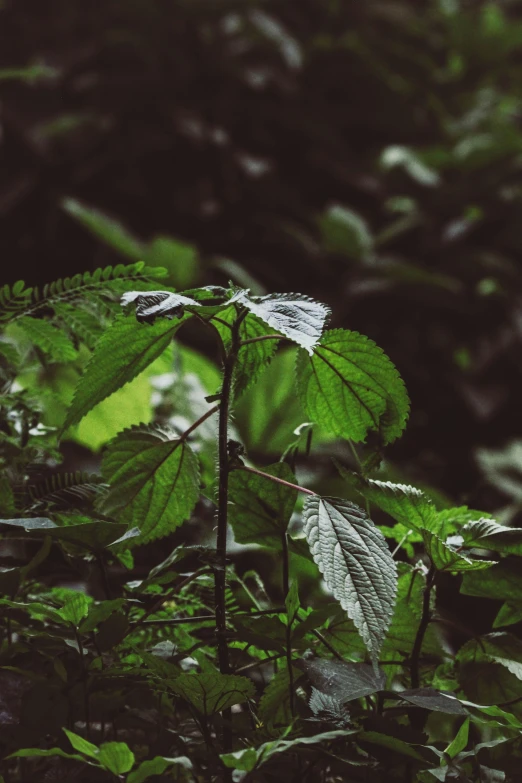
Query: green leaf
x,y
345,681
504,649
99,613
356,563
488,534
485,669
117,757
274,705
433,700
445,558
27,753
154,480
180,259
75,608
292,602
391,743
157,766
460,741
328,709
260,509
502,581
213,692
82,745
105,228
123,351
349,386
408,505
52,341
295,316
345,232
508,614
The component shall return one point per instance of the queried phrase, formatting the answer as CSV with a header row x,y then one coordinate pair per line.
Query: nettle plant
x,y
195,669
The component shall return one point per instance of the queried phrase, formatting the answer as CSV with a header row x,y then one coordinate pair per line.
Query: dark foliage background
x,y
367,154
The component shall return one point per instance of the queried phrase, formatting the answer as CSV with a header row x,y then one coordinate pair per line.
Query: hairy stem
x,y
222,520
289,621
275,479
421,631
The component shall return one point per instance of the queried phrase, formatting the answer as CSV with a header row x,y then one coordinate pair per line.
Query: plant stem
x,y
421,631
85,684
206,617
159,603
104,576
222,520
289,621
275,479
263,337
197,423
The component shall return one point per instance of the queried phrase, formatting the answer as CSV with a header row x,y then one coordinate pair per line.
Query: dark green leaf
x,y
345,681
488,534
154,480
329,709
349,386
502,581
213,692
260,509
157,766
274,705
445,558
433,700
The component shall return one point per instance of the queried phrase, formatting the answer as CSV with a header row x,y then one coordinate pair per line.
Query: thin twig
x,y
159,603
289,620
275,479
200,421
421,630
327,644
261,338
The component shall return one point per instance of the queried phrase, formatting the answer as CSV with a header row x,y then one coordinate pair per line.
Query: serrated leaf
x,y
260,509
356,563
51,340
155,304
252,358
406,504
123,351
297,317
213,692
488,534
433,700
75,608
328,708
117,757
154,481
349,386
344,681
445,558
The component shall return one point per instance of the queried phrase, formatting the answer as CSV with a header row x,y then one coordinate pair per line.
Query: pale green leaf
x,y
154,480
123,351
105,228
349,386
75,609
356,563
117,757
445,558
51,340
81,745
213,692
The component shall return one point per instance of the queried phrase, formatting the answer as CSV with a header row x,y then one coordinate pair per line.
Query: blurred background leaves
x,y
367,154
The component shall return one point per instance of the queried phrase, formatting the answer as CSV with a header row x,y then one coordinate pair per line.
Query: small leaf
x,y
356,563
488,534
433,700
292,602
52,341
154,480
117,757
75,608
260,509
444,558
344,681
408,505
110,231
349,386
274,705
213,692
297,317
508,614
460,741
123,351
155,304
99,613
82,745
329,709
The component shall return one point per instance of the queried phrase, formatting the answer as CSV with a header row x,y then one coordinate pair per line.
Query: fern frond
x,y
65,491
109,283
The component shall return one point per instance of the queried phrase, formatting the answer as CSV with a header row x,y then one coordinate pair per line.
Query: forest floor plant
x,y
195,669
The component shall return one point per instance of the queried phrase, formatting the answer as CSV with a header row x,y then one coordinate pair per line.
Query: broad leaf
x,y
157,766
504,649
154,480
445,558
345,681
213,692
433,700
356,563
488,674
117,757
155,304
123,351
503,581
81,745
295,316
260,509
349,386
274,705
488,534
